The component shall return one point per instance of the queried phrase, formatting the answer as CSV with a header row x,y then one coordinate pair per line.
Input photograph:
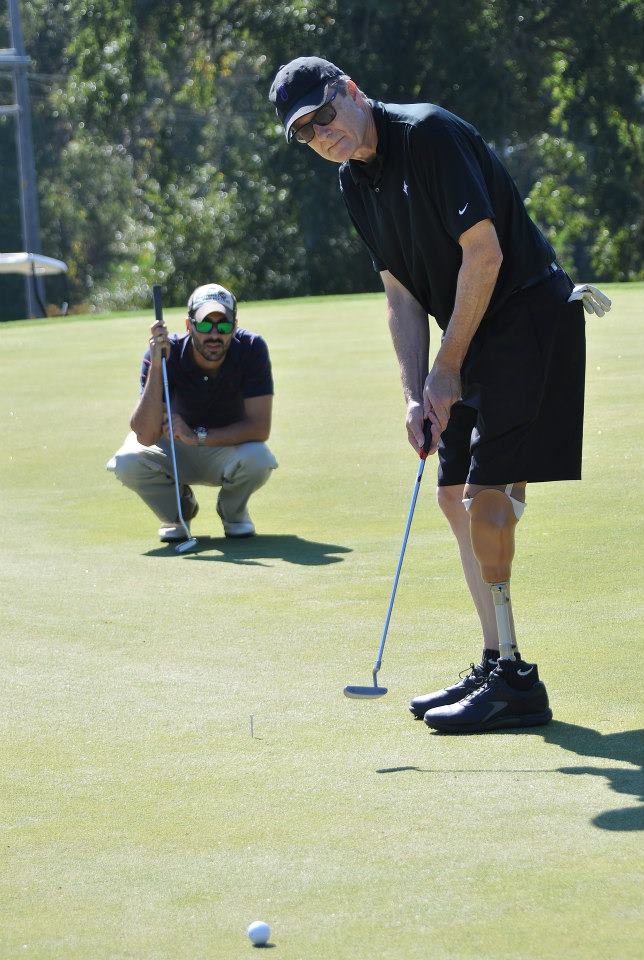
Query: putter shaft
x,y
166,391
189,542
412,506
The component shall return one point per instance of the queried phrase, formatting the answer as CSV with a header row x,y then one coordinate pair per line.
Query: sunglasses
x,y
221,326
321,118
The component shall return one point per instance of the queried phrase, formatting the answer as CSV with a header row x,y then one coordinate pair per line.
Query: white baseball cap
x,y
211,298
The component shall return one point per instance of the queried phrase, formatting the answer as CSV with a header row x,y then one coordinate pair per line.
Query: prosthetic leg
x,y
493,516
511,695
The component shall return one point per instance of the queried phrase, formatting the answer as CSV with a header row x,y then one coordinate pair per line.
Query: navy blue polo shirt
x,y
206,399
433,178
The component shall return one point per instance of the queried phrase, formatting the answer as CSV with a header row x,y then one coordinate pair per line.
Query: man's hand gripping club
x,y
441,391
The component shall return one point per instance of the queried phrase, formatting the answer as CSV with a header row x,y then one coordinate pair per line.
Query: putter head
x,y
186,545
364,693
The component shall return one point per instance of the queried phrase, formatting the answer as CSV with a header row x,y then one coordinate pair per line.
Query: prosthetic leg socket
x,y
492,523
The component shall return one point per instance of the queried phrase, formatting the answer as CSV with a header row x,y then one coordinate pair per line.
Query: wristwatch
x,y
202,433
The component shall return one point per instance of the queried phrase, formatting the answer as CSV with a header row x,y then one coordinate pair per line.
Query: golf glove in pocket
x,y
594,300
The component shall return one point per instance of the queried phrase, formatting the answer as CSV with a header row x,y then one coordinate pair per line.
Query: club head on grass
x,y
186,545
364,693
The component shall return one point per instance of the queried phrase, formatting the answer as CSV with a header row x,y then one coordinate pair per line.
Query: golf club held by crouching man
x,y
190,542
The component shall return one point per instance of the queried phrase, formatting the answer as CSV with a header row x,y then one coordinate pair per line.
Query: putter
x,y
190,542
374,691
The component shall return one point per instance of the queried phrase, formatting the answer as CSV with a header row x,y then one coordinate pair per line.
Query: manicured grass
x,y
140,818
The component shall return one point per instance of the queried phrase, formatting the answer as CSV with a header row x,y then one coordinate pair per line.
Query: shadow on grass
x,y
250,551
625,747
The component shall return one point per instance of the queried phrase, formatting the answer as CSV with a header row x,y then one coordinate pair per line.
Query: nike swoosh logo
x,y
524,673
495,707
461,212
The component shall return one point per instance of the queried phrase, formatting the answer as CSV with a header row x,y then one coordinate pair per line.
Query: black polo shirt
x,y
215,400
433,178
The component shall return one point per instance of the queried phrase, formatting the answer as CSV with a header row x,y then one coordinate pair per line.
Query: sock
x,y
514,679
489,654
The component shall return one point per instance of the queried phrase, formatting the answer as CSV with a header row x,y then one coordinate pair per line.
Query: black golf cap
x,y
300,87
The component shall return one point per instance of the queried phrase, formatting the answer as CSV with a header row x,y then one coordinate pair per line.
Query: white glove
x,y
594,300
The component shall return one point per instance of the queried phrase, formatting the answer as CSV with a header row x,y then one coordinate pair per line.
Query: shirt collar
x,y
372,172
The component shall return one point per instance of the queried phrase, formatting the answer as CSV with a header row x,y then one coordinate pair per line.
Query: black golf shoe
x,y
478,674
511,696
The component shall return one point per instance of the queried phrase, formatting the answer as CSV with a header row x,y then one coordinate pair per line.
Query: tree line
x,y
160,159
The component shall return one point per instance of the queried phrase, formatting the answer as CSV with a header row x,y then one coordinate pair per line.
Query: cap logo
x,y
283,92
220,297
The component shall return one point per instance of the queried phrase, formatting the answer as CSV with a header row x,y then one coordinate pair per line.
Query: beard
x,y
212,348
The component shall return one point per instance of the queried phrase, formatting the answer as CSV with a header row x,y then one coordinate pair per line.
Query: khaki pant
x,y
239,471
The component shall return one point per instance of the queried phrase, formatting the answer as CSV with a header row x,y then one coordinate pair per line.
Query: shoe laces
x,y
484,684
476,674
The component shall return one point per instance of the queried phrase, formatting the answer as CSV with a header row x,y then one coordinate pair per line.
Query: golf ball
x,y
258,932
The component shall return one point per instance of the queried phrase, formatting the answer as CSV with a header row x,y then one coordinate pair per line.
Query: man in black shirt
x,y
450,236
221,392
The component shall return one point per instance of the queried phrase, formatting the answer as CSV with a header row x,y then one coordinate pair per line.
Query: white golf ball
x,y
258,933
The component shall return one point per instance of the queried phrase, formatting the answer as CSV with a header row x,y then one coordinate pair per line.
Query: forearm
x,y
147,419
247,430
475,285
409,329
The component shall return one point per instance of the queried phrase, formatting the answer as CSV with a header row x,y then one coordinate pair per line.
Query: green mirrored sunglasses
x,y
221,326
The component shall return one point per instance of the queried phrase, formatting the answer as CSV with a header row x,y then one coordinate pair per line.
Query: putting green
x,y
140,818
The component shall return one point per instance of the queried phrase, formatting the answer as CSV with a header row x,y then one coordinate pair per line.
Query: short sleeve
x,y
172,360
258,376
452,171
145,369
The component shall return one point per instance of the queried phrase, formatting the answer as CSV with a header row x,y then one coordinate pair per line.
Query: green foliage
x,y
595,94
558,203
95,205
159,157
12,286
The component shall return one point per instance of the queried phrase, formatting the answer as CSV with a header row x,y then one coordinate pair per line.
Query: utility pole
x,y
28,191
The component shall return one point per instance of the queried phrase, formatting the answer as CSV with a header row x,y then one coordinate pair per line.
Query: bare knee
x,y
450,500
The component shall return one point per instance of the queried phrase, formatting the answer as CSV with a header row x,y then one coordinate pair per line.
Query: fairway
x,y
141,819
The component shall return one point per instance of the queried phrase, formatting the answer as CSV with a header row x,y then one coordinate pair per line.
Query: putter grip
x,y
156,299
427,441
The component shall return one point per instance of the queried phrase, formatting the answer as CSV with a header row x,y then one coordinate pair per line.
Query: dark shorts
x,y
521,416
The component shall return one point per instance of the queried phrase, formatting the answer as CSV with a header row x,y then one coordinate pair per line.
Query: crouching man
x,y
221,394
